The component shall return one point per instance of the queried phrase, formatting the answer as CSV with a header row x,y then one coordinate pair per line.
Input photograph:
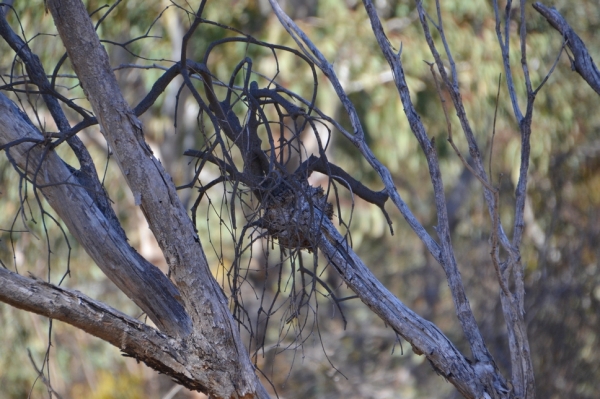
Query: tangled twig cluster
x,y
289,215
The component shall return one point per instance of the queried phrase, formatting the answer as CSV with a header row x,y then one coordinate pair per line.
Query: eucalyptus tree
x,y
266,141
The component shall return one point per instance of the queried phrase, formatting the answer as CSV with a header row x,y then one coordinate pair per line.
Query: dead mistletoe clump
x,y
290,214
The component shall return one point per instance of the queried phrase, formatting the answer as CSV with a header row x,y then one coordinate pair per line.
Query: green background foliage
x,y
561,250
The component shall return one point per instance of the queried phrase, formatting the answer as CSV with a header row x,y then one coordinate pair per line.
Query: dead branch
x,y
581,62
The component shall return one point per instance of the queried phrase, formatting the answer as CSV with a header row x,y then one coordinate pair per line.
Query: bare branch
x,y
358,138
104,241
134,338
504,43
155,193
450,139
425,338
35,70
454,91
581,62
448,261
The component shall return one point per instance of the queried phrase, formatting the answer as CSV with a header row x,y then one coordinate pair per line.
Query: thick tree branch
x,y
87,174
472,380
154,191
159,351
144,283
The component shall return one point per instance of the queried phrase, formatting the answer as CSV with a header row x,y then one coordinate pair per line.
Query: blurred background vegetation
x,y
561,249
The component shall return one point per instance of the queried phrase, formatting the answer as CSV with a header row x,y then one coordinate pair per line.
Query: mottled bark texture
x,y
194,311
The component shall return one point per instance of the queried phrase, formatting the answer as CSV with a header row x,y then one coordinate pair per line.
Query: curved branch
x,y
314,163
581,62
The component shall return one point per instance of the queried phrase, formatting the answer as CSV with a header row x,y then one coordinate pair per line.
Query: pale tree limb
x,y
463,308
35,71
311,51
581,62
193,359
454,91
512,303
183,360
154,191
472,381
106,244
512,269
513,306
